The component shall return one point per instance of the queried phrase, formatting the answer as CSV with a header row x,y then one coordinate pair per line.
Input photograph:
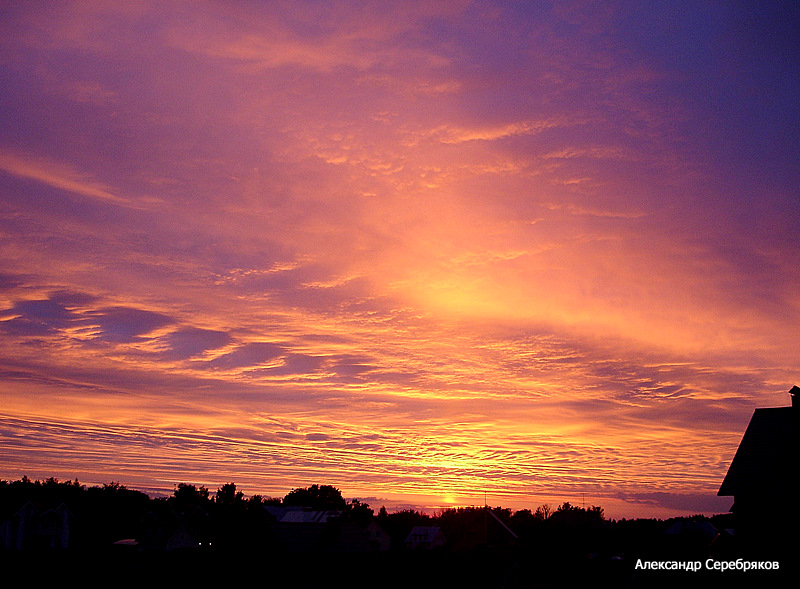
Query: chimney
x,y
793,392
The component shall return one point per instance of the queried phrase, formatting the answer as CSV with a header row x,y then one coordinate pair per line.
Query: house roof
x,y
423,533
766,461
307,517
684,526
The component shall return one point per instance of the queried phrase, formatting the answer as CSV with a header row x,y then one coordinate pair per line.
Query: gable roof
x,y
766,461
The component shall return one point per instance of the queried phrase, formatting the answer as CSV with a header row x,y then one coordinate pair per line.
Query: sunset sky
x,y
420,251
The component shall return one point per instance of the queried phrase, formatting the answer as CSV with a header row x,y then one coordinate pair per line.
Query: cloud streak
x,y
57,176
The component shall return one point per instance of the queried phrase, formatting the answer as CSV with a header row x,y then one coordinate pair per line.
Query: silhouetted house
x,y
307,530
54,527
689,527
762,478
425,538
377,537
34,527
689,536
352,536
17,527
303,530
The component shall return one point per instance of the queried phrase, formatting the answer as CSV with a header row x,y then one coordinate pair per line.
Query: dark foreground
x,y
479,568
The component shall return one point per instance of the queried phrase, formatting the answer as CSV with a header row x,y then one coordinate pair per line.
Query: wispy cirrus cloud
x,y
57,175
460,135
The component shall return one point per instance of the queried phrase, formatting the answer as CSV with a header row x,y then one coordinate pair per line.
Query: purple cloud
x,y
128,324
187,342
248,355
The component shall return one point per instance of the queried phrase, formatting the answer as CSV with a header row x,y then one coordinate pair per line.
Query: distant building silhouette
x,y
33,526
762,479
425,538
300,529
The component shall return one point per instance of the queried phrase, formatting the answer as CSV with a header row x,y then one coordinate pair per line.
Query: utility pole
x,y
485,521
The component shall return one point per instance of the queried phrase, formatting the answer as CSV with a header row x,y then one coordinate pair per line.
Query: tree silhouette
x,y
188,498
572,515
358,512
322,497
228,495
543,511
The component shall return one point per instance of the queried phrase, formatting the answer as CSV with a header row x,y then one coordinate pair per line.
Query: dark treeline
x,y
102,515
554,543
